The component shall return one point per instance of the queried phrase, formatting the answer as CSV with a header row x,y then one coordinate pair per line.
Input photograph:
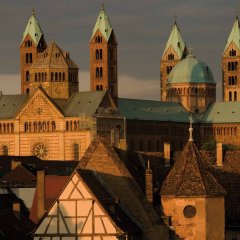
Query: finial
x,y
190,49
33,12
148,164
103,6
175,18
236,12
190,129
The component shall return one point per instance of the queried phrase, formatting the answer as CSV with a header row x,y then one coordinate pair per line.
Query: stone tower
x,y
103,57
193,198
55,72
174,51
32,45
231,65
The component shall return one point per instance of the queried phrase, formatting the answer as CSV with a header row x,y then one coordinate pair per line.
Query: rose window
x,y
40,150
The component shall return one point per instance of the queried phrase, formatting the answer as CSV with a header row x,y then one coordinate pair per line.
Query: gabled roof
x,y
11,104
175,41
190,177
102,158
83,103
53,57
103,25
19,176
109,202
33,29
234,35
152,110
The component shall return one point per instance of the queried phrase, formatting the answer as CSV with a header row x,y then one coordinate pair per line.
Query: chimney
x,y
149,183
14,164
40,193
167,154
219,155
16,208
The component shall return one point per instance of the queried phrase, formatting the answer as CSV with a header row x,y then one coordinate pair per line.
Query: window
x,y
230,96
100,54
5,150
169,69
100,72
97,72
232,66
170,56
30,57
27,91
97,88
232,53
235,96
76,151
27,58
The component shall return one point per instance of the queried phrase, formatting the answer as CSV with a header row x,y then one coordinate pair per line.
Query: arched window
x,y
97,88
42,77
30,57
97,54
56,76
27,76
67,126
27,58
101,87
76,151
100,54
60,77
101,72
97,72
230,96
53,126
39,77
25,127
5,150
235,96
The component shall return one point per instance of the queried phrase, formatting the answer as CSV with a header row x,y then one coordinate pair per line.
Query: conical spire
x,y
33,29
103,24
175,41
234,35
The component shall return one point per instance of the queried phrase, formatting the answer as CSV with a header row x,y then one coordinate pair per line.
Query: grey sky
x,y
141,26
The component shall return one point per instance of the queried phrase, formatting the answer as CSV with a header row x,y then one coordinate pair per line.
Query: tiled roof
x,y
17,177
110,203
53,57
190,176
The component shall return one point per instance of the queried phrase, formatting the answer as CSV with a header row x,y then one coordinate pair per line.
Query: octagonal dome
x,y
191,70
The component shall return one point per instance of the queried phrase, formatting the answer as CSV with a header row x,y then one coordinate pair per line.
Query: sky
x,y
142,28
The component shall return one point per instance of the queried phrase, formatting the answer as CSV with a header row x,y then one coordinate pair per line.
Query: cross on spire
x,y
175,17
33,12
190,49
103,6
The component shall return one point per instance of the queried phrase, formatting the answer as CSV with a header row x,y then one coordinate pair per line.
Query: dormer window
x,y
170,56
232,53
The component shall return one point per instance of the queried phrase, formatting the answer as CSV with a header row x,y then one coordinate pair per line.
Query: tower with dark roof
x,y
192,197
175,50
32,44
103,57
231,65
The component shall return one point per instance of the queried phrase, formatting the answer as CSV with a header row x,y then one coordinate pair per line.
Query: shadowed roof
x,y
190,176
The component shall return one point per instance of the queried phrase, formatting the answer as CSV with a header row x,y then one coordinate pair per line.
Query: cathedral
x,y
93,166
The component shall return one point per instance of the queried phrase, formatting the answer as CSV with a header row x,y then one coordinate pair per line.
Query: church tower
x,y
174,51
103,57
32,45
231,65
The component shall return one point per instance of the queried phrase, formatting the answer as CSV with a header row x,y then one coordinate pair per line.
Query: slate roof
x,y
53,57
190,177
137,109
11,104
112,206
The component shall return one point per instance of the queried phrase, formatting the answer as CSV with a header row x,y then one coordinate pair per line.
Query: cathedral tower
x,y
174,51
32,45
231,65
103,57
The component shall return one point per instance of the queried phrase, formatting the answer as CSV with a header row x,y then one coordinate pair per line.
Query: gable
x,y
77,213
39,105
171,50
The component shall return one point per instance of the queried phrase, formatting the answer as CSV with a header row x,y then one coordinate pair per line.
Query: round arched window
x,y
189,211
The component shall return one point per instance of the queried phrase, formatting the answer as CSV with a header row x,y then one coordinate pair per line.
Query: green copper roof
x,y
234,35
152,110
33,29
103,24
175,41
222,112
191,70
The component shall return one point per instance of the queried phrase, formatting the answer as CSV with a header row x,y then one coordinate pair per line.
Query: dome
x,y
191,70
